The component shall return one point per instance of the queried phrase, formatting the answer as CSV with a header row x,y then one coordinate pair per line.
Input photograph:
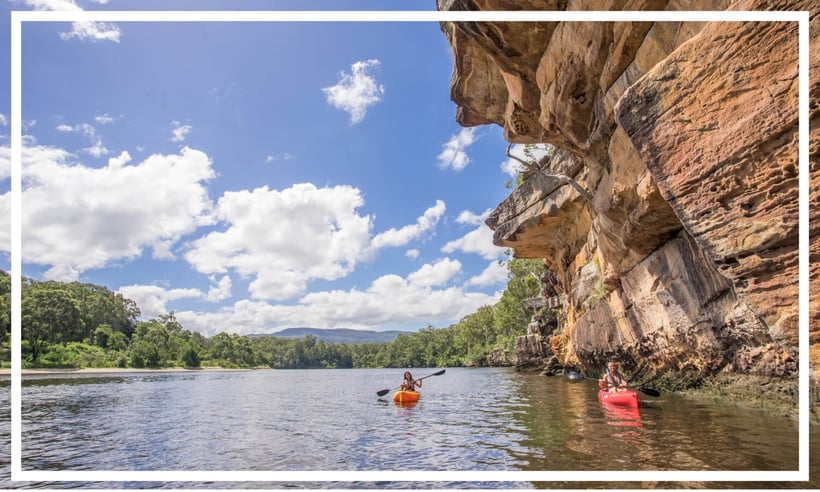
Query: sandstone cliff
x,y
686,137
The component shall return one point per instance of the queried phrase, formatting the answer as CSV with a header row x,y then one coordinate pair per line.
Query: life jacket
x,y
613,380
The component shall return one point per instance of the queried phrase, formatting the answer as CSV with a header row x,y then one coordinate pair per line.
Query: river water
x,y
332,420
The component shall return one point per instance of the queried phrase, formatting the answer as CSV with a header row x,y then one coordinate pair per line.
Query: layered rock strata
x,y
682,259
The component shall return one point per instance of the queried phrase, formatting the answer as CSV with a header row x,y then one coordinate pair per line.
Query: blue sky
x,y
253,177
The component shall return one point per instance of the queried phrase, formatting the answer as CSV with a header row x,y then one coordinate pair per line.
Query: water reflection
x,y
406,404
565,425
622,415
309,420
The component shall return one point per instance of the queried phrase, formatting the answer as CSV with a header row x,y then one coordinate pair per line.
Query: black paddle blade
x,y
649,391
383,392
439,373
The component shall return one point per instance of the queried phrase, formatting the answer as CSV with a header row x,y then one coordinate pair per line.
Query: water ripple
x,y
491,419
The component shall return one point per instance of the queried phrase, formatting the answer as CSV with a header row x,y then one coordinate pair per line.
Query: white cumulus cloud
x,y
467,217
221,290
399,237
75,218
83,128
436,273
95,31
285,238
103,119
478,241
390,300
356,91
494,274
179,131
97,150
454,153
5,169
153,300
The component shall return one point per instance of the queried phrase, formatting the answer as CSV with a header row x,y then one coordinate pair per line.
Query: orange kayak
x,y
627,398
405,396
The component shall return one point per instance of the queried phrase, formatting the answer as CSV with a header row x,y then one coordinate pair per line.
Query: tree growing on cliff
x,y
510,315
475,336
537,167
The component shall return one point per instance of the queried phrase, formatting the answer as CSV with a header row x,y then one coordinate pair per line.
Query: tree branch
x,y
529,166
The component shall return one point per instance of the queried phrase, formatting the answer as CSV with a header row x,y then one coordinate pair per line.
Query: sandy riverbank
x,y
117,370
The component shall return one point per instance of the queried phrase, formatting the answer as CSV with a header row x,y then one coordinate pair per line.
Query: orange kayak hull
x,y
405,396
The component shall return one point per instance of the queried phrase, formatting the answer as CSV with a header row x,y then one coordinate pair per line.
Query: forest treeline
x,y
81,325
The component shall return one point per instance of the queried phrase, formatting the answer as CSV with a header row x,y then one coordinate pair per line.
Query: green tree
x,y
143,354
48,314
102,335
510,316
190,356
221,351
100,306
117,342
5,317
243,352
475,335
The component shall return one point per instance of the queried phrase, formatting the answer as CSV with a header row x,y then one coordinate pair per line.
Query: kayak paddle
x,y
574,376
385,391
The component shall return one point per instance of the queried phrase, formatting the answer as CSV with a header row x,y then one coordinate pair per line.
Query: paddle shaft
x,y
642,389
385,391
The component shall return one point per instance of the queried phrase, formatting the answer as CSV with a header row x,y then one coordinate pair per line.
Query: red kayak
x,y
622,415
626,398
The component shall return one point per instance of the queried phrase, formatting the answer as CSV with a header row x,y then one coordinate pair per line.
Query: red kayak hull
x,y
626,398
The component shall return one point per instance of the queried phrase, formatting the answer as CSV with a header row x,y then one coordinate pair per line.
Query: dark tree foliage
x,y
5,317
85,325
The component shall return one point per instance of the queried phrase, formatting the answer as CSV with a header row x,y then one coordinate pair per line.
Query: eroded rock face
x,y
684,263
531,351
674,315
717,128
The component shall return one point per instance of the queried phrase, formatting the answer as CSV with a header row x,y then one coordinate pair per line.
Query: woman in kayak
x,y
409,384
612,380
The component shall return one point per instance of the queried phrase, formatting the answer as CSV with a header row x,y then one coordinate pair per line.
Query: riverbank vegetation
x,y
80,325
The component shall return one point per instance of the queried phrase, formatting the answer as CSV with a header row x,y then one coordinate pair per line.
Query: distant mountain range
x,y
338,335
